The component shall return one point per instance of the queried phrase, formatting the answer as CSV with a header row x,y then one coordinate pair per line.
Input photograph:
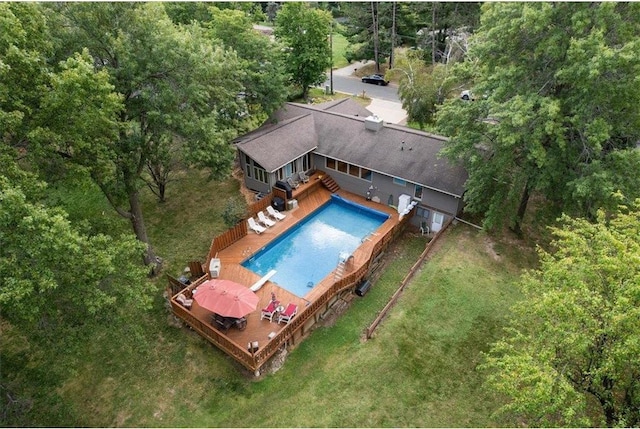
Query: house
x,y
390,164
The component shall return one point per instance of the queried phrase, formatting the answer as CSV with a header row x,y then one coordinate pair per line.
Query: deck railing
x,y
348,281
238,231
253,361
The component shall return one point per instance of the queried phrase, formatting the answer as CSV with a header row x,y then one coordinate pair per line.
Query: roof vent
x,y
373,123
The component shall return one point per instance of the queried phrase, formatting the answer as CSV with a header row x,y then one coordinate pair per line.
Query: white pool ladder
x,y
342,262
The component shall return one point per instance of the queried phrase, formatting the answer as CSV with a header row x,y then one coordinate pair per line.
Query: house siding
x,y
384,187
259,186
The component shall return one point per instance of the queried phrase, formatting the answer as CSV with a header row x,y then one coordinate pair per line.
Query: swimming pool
x,y
309,251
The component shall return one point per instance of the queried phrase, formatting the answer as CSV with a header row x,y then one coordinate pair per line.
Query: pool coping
x,y
379,217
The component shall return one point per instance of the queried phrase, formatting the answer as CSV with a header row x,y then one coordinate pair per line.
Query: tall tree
x,y
369,30
421,88
176,84
575,338
262,61
551,81
305,33
52,275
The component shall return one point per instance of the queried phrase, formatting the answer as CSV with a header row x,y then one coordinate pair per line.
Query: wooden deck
x,y
311,196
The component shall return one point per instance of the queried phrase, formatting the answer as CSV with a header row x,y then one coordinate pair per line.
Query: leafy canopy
x,y
52,272
305,33
575,337
557,108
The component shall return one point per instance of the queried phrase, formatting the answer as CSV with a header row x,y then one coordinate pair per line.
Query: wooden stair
x,y
339,271
329,183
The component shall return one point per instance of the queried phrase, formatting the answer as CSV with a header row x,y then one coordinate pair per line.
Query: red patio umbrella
x,y
226,298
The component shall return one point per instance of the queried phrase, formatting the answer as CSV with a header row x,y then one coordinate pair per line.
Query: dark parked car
x,y
375,79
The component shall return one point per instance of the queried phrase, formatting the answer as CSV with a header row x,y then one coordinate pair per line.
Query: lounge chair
x,y
424,229
265,220
288,313
269,311
293,183
258,229
303,177
275,213
186,302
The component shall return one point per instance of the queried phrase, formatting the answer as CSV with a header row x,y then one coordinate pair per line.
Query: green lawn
x,y
418,370
340,44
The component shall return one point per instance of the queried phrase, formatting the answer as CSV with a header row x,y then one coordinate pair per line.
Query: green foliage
x,y
411,17
304,32
422,89
187,12
178,88
24,46
576,336
359,29
264,78
272,10
235,210
550,81
50,272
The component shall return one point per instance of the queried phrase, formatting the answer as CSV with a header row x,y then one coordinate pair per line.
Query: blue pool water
x,y
308,252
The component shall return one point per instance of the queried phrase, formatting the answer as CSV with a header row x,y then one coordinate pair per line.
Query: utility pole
x,y
393,35
376,40
331,67
433,33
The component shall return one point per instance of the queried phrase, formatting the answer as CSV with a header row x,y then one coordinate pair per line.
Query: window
x,y
417,192
343,167
331,163
365,174
259,173
354,171
400,182
422,212
247,165
306,162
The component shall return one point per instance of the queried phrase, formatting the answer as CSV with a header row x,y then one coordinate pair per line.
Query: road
x,y
344,81
385,102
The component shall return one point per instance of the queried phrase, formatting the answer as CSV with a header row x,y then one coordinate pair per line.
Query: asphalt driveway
x,y
389,110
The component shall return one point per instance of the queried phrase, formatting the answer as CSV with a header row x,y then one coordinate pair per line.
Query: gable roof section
x,y
383,151
275,145
346,106
345,138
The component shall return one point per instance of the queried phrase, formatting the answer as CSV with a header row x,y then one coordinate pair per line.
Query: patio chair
x,y
288,313
265,220
269,311
186,302
303,177
292,182
258,229
275,213
424,229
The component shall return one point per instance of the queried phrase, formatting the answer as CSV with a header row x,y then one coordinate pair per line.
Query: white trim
x,y
294,159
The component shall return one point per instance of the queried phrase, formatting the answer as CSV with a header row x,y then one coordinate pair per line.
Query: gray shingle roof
x,y
297,128
345,106
275,145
